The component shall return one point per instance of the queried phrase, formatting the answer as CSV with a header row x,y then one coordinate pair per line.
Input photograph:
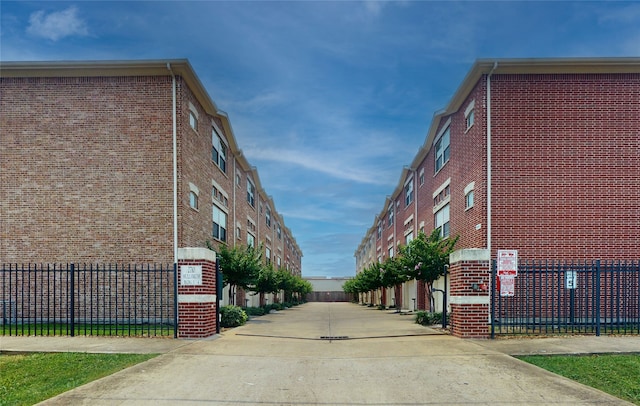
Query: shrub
x,y
255,311
429,319
233,316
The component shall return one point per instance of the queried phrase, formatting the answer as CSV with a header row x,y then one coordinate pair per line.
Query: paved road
x,y
374,358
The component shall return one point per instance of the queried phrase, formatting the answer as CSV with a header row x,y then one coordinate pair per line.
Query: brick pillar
x,y
470,300
196,293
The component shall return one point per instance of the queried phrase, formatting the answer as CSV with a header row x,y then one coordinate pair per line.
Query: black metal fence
x,y
567,298
80,299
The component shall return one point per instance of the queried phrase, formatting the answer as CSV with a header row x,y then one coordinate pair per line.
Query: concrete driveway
x,y
333,354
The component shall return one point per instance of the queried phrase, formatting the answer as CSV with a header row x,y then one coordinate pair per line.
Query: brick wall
x,y
197,303
566,161
87,170
470,307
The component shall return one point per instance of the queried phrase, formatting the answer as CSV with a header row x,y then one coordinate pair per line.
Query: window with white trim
x,y
267,254
251,240
468,200
408,238
218,151
408,193
469,115
194,192
219,224
441,221
267,217
390,215
442,149
421,177
193,200
251,190
469,195
193,120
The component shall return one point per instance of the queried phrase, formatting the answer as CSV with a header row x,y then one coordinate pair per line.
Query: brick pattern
x,y
75,156
197,320
470,320
566,154
91,172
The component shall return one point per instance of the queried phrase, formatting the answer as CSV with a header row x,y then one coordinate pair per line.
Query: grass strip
x,y
615,374
31,378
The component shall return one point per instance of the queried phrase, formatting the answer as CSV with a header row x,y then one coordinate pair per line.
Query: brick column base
x,y
470,273
196,296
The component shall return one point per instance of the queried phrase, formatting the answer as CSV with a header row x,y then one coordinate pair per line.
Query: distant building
x,y
538,155
327,289
87,157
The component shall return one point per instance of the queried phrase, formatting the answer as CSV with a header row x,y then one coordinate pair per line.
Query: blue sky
x,y
329,100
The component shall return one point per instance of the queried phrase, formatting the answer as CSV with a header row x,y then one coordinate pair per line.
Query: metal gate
x,y
80,299
568,298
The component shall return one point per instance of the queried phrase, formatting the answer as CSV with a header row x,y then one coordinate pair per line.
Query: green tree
x,y
267,281
425,259
240,267
391,272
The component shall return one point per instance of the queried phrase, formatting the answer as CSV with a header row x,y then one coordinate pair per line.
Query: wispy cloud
x,y
57,25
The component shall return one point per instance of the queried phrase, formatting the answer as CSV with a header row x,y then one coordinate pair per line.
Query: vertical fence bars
x,y
81,299
569,298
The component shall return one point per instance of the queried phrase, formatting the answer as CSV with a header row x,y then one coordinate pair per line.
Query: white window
x,y
408,238
468,195
219,224
441,221
390,252
468,200
408,193
194,192
279,231
251,190
251,240
193,120
219,151
267,254
379,231
390,215
469,115
193,200
267,217
442,149
279,262
421,176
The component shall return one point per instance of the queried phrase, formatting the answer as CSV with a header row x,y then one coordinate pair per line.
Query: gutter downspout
x,y
175,196
175,167
495,65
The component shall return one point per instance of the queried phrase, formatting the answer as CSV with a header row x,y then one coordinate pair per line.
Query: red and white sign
x,y
507,263
507,286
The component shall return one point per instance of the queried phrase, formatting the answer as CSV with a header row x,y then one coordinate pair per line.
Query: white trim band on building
x,y
196,298
470,300
195,253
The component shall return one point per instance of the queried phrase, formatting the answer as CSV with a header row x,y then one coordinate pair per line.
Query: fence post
x,y
470,274
597,309
197,293
72,294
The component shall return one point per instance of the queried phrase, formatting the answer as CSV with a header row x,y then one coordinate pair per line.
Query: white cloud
x,y
334,165
57,25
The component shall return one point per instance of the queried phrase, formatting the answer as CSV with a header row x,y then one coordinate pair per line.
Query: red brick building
x,y
538,155
87,167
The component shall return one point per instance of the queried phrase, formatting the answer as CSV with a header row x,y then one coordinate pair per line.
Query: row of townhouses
x,y
536,155
125,162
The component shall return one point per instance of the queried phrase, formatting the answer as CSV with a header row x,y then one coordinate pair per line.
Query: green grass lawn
x,y
618,375
30,378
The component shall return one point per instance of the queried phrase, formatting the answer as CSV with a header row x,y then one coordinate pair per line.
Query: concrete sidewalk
x,y
280,359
